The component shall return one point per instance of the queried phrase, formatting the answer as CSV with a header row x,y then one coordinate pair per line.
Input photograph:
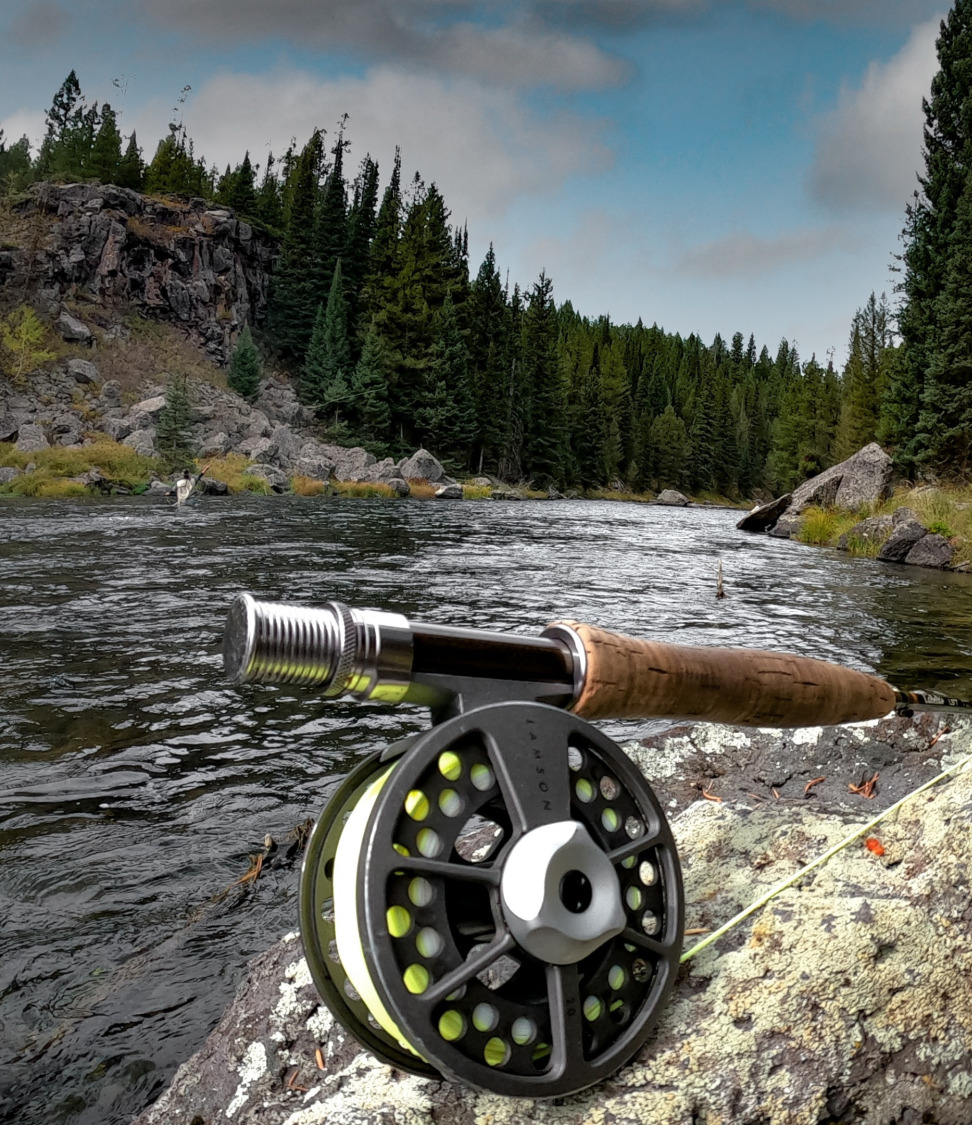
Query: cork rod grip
x,y
628,678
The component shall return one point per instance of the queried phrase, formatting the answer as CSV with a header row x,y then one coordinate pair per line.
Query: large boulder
x,y
875,529
276,478
421,466
142,441
71,329
931,550
862,479
31,438
258,449
146,412
901,540
672,499
9,473
764,516
83,371
116,428
448,492
350,464
841,1000
111,394
215,445
288,445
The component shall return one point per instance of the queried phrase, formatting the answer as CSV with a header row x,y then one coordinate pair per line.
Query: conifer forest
x,y
397,340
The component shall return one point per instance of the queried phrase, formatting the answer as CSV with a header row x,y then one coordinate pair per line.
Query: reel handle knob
x,y
628,678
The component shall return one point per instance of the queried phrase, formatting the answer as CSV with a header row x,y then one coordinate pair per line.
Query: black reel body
x,y
509,903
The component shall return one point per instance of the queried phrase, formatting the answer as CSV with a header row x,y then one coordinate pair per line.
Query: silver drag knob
x,y
561,895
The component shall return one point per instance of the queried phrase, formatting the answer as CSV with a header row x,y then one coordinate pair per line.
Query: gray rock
x,y
382,471
276,478
902,540
786,527
9,473
931,550
351,464
875,529
279,402
553,494
209,487
259,449
900,515
862,479
159,488
84,371
421,466
670,498
399,487
215,445
9,426
66,429
142,441
92,479
111,394
258,424
481,482
72,330
288,445
762,517
504,494
314,466
448,492
31,438
116,428
146,412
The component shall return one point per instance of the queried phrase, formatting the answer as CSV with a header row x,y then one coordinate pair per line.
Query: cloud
x,y
869,147
24,122
747,255
480,145
39,25
880,12
510,44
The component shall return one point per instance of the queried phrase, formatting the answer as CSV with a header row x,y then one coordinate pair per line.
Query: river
x,y
134,783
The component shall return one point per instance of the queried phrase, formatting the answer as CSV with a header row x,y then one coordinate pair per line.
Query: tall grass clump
x,y
307,486
476,491
822,527
364,490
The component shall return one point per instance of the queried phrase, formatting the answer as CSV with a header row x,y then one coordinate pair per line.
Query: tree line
x,y
396,342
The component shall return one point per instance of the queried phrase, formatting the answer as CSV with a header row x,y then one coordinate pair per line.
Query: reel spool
x,y
498,902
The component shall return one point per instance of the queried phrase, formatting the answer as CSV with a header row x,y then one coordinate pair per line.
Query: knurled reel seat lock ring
x,y
443,932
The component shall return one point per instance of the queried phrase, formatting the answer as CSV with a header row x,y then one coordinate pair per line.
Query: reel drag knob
x,y
516,903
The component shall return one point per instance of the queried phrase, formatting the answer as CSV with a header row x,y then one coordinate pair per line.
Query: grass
x,y
307,486
232,471
116,462
946,511
364,490
477,491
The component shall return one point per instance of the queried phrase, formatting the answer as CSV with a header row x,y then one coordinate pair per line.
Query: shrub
x,y
22,339
822,527
364,490
307,486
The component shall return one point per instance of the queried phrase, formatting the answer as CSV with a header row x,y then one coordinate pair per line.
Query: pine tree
x,y
865,377
245,369
369,387
172,435
331,225
545,430
15,164
929,247
327,371
670,450
241,190
106,157
449,416
488,344
360,231
131,170
58,121
269,206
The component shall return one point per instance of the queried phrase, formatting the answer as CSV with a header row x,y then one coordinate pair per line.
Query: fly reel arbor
x,y
498,899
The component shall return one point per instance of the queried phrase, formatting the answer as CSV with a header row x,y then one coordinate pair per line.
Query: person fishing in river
x,y
186,485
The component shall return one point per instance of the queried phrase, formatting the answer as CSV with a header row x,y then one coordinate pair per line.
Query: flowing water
x,y
134,783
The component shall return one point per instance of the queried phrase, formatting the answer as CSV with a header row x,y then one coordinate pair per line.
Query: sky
x,y
706,165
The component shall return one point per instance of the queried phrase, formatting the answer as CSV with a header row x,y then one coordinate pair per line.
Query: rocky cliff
x,y
111,248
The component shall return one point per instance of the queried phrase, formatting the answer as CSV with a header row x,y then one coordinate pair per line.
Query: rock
x,y
288,445
9,426
111,393
553,494
826,1002
259,425
72,330
279,402
900,515
762,517
350,464
786,527
448,492
146,412
31,438
215,445
9,473
862,479
383,471
116,428
66,429
83,371
480,482
905,535
421,466
142,441
875,529
314,466
399,487
276,478
209,487
670,498
93,479
159,488
504,494
931,550
258,449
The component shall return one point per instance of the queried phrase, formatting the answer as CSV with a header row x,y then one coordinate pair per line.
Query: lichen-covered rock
x,y
786,526
841,1001
276,478
671,498
71,329
399,487
9,473
142,441
902,539
83,371
864,478
931,550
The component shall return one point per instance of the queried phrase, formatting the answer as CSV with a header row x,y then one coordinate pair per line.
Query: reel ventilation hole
x,y
501,905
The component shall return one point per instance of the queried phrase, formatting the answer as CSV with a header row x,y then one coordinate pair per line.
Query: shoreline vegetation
x,y
944,510
126,472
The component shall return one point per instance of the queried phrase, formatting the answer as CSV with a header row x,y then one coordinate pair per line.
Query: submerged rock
x,y
843,999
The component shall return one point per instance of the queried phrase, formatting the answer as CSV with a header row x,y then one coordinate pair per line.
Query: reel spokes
x,y
517,902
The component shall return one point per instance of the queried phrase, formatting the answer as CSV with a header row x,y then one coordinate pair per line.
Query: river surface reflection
x,y
134,783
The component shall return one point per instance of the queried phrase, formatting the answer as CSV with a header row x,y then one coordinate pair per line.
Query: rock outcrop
x,y
842,1001
764,516
672,499
184,262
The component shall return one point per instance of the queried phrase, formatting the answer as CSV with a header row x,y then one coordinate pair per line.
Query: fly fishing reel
x,y
499,900
499,903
